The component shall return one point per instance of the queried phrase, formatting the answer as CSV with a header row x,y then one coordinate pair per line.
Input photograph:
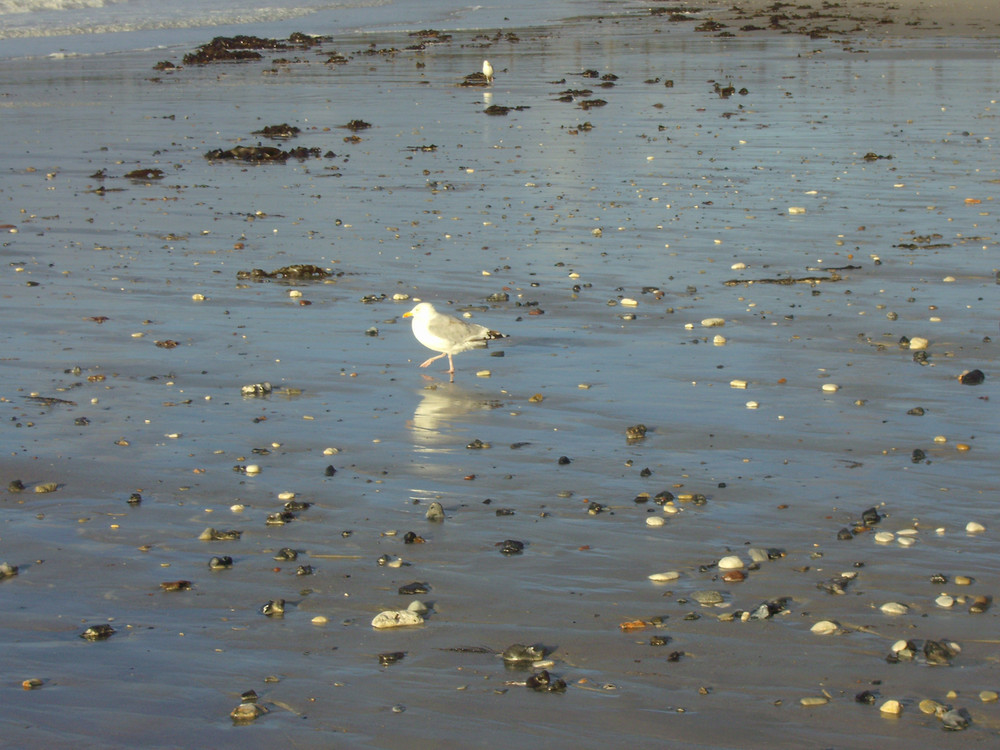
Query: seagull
x,y
488,71
448,335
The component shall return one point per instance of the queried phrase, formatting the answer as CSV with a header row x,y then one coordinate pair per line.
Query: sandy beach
x,y
741,428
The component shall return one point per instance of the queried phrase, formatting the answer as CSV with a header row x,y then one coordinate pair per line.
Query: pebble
x,y
884,537
707,597
974,527
825,627
730,562
945,601
906,541
955,720
758,555
252,469
988,696
32,683
830,387
655,521
930,707
246,712
796,210
814,700
740,384
894,608
435,512
670,575
319,620
734,576
919,342
891,708
396,618
719,340
713,322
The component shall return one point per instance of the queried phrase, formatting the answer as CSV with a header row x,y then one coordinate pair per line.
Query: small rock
x,y
891,708
955,720
396,618
974,527
670,575
707,598
435,512
7,570
894,608
972,377
246,712
825,627
713,322
945,601
989,696
32,683
931,707
814,700
98,632
730,562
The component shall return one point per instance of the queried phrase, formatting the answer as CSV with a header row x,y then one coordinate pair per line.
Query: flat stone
x,y
670,575
730,562
989,696
894,608
825,627
707,597
814,700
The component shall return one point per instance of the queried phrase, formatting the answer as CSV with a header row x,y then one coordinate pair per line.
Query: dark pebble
x,y
511,547
15,485
659,640
563,460
416,587
274,608
870,517
220,563
543,683
329,471
134,499
845,534
918,456
286,554
411,537
304,570
390,657
973,377
867,697
98,632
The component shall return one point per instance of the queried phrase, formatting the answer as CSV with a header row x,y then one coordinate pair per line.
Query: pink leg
x,y
451,366
432,359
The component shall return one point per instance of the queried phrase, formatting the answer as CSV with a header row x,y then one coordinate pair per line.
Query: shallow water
x,y
681,193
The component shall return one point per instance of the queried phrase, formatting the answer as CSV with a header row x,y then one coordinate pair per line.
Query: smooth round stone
x,y
734,576
671,509
396,618
719,340
737,383
963,581
927,706
955,720
825,627
655,521
884,537
418,606
894,608
286,496
891,708
253,469
945,601
988,696
974,527
319,620
907,532
900,645
830,387
752,405
814,700
758,555
906,541
713,322
919,342
730,562
707,597
670,575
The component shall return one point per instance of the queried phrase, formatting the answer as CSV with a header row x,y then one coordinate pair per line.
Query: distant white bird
x,y
488,71
448,335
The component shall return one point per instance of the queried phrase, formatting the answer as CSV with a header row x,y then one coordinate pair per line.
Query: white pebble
x,y
752,404
237,508
253,469
906,541
741,384
629,302
483,374
919,342
830,387
825,627
738,266
730,562
948,279
331,451
670,575
713,322
396,618
719,340
655,521
294,293
900,645
945,601
884,537
814,700
198,297
894,608
974,527
796,210
286,496
319,620
671,509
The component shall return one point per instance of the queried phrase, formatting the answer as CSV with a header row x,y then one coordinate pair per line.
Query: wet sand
x,y
838,200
